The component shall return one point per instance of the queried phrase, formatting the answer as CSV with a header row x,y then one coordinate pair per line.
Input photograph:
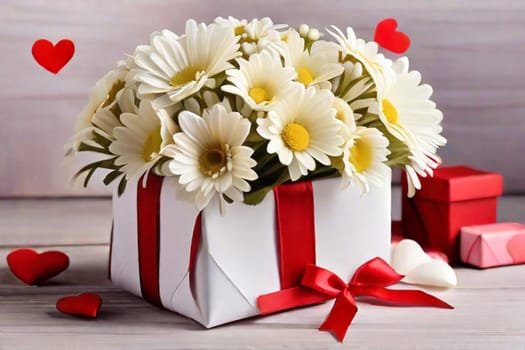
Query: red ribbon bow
x,y
370,279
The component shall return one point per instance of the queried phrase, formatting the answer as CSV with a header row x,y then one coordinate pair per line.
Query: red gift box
x,y
454,197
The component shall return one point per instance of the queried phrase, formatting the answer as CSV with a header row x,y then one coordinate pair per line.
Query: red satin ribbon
x,y
294,203
369,280
148,235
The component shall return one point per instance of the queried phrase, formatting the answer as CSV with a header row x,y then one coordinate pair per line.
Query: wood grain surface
x,y
489,304
489,308
471,51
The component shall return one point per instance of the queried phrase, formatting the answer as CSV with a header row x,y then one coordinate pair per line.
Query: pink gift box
x,y
493,245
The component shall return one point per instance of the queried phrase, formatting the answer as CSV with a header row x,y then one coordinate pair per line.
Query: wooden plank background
x,y
471,51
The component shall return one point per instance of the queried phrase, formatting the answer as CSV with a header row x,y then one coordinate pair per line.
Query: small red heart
x,y
387,36
85,304
53,57
34,268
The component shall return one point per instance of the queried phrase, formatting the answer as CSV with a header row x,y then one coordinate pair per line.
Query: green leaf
x,y
122,186
255,197
270,167
264,160
101,140
157,167
368,119
84,147
371,93
227,199
322,172
111,177
92,167
88,167
254,137
89,175
344,89
399,151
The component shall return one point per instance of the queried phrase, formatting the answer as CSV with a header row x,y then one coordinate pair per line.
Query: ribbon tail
x,y
407,297
288,299
341,316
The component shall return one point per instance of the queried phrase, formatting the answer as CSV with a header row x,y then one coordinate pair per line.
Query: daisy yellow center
x,y
296,137
239,30
340,115
152,145
259,94
304,75
361,155
212,161
390,111
184,76
284,38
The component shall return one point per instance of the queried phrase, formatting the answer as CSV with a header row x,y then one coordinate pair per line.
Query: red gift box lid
x,y
460,183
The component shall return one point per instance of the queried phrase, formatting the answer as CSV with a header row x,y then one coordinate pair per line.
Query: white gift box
x,y
237,259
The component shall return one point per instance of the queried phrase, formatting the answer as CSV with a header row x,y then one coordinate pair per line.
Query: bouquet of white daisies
x,y
234,108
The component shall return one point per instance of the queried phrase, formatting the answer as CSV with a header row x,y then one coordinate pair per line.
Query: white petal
x,y
195,127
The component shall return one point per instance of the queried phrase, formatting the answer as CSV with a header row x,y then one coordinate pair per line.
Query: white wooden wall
x,y
471,51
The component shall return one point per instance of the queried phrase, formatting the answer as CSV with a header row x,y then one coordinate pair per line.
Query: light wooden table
x,y
489,314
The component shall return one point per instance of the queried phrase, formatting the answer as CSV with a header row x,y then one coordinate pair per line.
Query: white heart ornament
x,y
406,255
409,259
436,273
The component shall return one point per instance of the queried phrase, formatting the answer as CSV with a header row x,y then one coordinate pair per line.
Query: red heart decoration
x,y
387,36
53,57
33,268
516,248
85,304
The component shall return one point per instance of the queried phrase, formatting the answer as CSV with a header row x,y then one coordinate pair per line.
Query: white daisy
x,y
138,142
261,81
302,129
236,25
344,114
104,121
127,64
419,165
409,115
127,99
254,36
209,156
365,52
354,87
363,158
318,65
168,127
173,67
102,95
